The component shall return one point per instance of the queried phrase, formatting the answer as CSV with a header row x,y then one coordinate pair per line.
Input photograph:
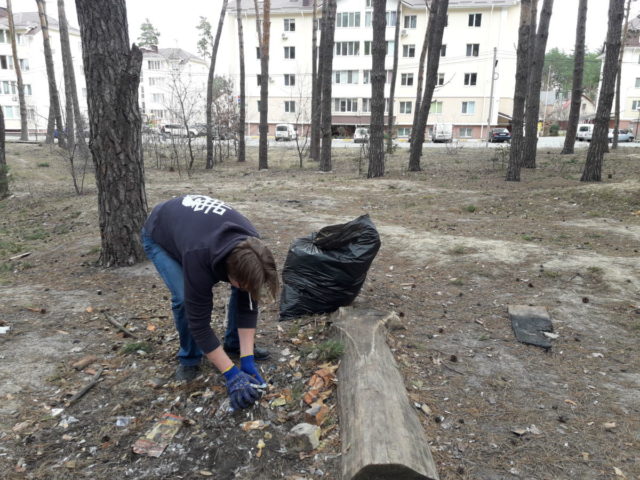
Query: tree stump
x,y
382,438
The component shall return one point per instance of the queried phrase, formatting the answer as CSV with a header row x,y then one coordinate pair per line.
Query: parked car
x,y
585,131
499,135
361,135
624,135
442,132
178,130
285,131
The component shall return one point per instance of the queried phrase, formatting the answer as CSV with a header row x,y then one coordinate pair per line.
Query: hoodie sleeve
x,y
198,299
247,310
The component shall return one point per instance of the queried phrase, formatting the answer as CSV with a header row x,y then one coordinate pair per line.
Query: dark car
x,y
499,135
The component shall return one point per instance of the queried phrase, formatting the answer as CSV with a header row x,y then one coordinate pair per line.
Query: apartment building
x,y
173,86
630,80
476,77
34,73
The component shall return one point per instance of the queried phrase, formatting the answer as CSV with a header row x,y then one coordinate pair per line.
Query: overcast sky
x,y
177,20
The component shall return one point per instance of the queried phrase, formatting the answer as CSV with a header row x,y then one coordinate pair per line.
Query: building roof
x,y
31,21
465,3
172,54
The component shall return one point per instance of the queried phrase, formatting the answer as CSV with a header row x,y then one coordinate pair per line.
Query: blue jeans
x,y
171,272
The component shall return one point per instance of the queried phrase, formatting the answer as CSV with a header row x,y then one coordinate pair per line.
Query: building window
x,y
391,45
366,76
391,18
290,52
345,104
388,76
367,19
409,51
289,79
366,105
443,51
468,108
466,132
410,21
404,131
348,19
157,97
473,49
24,64
157,113
635,105
436,107
405,107
347,48
470,79
368,3
406,79
346,76
290,106
289,24
6,62
367,47
440,80
637,82
154,64
4,36
475,19
11,112
156,81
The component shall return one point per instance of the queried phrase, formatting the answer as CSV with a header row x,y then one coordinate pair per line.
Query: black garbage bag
x,y
326,270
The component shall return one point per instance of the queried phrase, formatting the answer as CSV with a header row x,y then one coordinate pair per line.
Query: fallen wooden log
x,y
120,327
92,383
382,437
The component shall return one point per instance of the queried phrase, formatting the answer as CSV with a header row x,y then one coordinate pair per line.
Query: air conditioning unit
x,y
403,33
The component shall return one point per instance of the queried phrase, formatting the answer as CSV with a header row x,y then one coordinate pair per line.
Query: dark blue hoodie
x,y
199,232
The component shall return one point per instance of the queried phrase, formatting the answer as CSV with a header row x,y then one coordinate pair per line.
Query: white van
x,y
585,132
286,131
442,132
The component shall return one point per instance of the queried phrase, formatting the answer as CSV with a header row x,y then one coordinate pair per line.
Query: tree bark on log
x,y
382,436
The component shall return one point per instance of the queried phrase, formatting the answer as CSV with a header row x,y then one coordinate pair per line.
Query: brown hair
x,y
252,265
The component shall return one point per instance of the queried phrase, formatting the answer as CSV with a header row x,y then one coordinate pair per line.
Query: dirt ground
x,y
459,245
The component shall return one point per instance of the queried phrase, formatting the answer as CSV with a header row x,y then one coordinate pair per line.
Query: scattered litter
x,y
158,438
56,411
609,426
550,335
254,425
597,355
123,421
261,445
530,323
619,473
4,330
66,421
205,473
84,362
19,256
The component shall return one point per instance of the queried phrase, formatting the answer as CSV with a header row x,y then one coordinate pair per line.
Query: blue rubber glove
x,y
241,388
248,366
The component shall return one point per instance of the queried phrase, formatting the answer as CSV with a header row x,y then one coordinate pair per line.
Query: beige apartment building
x,y
476,77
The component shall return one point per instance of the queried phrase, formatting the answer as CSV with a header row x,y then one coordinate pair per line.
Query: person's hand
x,y
248,366
242,388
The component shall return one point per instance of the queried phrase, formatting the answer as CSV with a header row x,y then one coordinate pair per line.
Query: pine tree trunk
x,y
616,123
24,127
112,72
394,77
263,152
535,83
593,166
520,93
578,74
326,61
420,80
316,121
433,61
51,124
378,76
4,178
71,89
314,146
242,108
210,78
54,98
70,124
